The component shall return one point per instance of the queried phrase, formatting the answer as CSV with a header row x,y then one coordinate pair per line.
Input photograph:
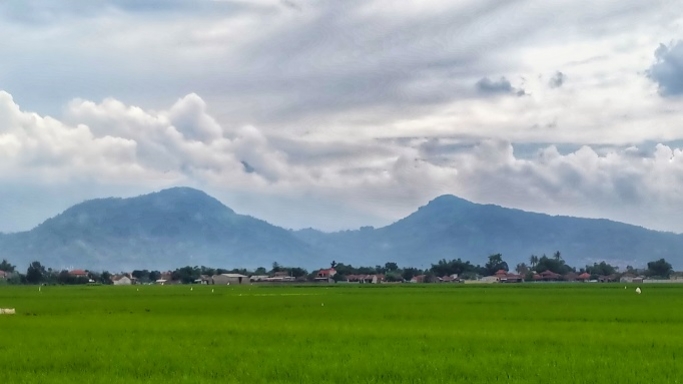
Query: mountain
x,y
170,228
183,226
450,227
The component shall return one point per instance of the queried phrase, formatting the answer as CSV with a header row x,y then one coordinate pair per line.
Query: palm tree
x,y
522,269
557,256
533,260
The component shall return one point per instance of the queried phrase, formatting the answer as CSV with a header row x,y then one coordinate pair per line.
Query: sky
x,y
340,114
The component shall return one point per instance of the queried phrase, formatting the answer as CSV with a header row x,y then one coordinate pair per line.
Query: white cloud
x,y
113,146
346,113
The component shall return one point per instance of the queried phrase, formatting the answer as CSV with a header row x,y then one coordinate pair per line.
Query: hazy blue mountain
x,y
450,227
171,228
184,226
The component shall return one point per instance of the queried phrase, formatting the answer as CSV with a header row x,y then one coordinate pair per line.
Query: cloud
x,y
557,80
500,86
343,113
667,70
330,184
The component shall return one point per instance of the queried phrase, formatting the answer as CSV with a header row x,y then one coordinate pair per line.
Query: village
x,y
331,276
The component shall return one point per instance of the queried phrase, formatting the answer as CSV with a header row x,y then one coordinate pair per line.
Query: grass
x,y
576,333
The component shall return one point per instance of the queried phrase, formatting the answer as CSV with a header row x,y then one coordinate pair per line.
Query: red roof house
x,y
78,273
584,277
547,276
325,274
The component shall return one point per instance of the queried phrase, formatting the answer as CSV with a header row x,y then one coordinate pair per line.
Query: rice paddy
x,y
573,333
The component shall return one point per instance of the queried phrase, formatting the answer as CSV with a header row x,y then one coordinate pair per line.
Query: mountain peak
x,y
185,197
449,199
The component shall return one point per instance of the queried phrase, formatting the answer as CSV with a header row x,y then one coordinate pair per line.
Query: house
x,y
627,278
547,276
489,279
229,278
161,281
570,276
258,278
513,278
365,279
450,279
78,273
583,277
607,279
122,280
503,276
418,279
203,279
280,277
325,275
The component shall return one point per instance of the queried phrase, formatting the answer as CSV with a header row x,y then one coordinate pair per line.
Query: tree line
x,y
36,273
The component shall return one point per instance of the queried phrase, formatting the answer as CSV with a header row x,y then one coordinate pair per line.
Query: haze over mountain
x,y
171,228
450,227
184,226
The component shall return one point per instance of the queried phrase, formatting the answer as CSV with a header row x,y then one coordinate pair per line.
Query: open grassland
x,y
574,333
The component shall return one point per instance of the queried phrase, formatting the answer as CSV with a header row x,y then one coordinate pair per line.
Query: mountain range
x,y
184,226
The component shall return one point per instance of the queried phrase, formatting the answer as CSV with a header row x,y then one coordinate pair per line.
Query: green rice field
x,y
533,333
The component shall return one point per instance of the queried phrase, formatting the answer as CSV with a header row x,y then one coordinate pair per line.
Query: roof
x,y
585,275
232,275
77,272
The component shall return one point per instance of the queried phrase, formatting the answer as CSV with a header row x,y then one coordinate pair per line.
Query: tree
x,y
602,269
409,273
522,269
260,271
392,277
186,274
452,267
333,264
105,277
35,273
391,266
141,275
659,268
153,276
495,264
533,260
298,272
553,264
276,267
6,266
557,256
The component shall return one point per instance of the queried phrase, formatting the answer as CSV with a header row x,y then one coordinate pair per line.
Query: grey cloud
x,y
667,70
557,80
500,86
119,145
55,11
291,5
